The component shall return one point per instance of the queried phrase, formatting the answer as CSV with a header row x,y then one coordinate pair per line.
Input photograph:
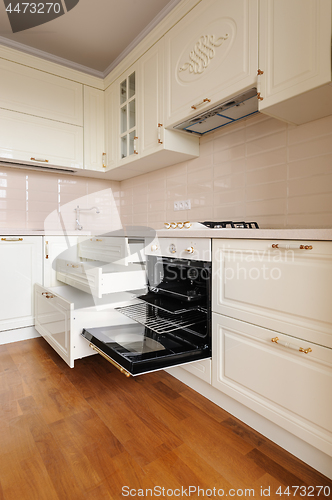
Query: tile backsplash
x,y
258,169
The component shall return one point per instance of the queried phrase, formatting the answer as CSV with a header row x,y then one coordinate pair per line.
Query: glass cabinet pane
x,y
123,112
123,91
124,146
132,136
132,114
132,89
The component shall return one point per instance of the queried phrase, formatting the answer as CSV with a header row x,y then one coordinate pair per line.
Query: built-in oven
x,y
170,324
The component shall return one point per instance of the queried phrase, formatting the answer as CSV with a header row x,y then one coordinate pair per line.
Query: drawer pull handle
x,y
288,247
48,295
46,250
73,265
39,159
159,133
195,106
98,239
11,239
110,360
259,97
104,160
291,346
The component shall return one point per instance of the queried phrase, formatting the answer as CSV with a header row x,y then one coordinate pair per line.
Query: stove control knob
x,y
172,248
154,248
190,250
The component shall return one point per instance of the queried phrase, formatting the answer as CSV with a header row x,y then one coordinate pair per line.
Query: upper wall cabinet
x,y
94,129
136,139
38,93
211,55
295,59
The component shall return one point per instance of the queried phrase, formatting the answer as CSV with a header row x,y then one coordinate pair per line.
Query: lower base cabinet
x,y
20,269
286,380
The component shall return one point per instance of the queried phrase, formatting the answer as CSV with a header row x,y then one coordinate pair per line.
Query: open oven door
x,y
152,339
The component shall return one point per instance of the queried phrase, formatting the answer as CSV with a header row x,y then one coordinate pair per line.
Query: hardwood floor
x,y
87,432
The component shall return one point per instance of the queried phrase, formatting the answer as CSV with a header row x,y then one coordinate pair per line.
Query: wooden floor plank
x,y
86,432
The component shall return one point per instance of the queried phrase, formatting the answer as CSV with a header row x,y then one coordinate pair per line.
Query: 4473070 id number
x,y
34,8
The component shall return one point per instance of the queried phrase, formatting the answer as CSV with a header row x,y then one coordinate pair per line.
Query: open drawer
x,y
98,278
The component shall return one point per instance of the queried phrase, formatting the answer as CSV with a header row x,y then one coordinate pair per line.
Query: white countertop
x,y
268,234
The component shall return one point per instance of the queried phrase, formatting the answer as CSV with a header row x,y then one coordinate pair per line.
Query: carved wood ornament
x,y
204,51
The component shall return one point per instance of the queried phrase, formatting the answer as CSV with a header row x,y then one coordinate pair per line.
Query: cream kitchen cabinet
x,y
111,126
20,268
38,93
94,129
295,59
210,55
282,285
36,141
287,385
54,246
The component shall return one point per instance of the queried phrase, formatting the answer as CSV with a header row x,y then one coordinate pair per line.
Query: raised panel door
x,y
210,55
30,139
38,93
20,269
287,382
294,50
94,129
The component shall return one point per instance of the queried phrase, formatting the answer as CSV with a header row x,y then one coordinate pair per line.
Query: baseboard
x,y
18,334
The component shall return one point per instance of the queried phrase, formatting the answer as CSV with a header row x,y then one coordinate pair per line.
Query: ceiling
x,y
94,36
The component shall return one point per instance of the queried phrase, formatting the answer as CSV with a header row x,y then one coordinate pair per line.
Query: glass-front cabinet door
x,y
128,116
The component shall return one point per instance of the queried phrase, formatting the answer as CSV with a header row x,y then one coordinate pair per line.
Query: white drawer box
x,y
98,278
288,290
115,249
62,312
289,387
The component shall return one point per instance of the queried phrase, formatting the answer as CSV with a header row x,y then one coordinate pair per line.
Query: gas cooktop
x,y
211,225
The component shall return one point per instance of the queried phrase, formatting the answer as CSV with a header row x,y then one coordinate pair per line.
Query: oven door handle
x,y
110,360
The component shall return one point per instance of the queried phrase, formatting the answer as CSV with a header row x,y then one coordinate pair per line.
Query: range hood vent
x,y
29,166
230,111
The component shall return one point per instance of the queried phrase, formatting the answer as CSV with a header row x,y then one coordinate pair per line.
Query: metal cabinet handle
x,y
291,346
39,159
195,106
46,250
288,247
159,133
135,145
48,295
104,160
11,239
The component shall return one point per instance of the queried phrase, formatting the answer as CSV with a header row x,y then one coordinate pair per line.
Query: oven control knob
x,y
172,248
190,249
154,248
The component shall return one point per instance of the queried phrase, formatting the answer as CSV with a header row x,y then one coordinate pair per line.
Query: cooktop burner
x,y
230,224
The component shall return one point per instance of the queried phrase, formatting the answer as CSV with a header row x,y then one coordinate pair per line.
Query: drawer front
x,y
34,92
39,141
53,321
85,278
287,290
201,369
285,385
105,249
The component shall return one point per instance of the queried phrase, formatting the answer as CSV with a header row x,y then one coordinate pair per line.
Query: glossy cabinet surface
x,y
210,55
20,268
37,141
295,58
28,90
278,380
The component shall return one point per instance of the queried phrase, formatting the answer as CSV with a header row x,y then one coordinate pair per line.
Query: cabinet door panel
x,y
287,290
94,133
55,246
34,92
32,139
210,54
20,269
281,383
294,48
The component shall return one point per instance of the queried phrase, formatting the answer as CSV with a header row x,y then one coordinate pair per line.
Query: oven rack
x,y
161,321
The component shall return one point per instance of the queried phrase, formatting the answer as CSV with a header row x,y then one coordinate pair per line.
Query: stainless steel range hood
x,y
223,114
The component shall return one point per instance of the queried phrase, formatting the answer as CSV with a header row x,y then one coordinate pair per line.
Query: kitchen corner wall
x,y
259,169
45,201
